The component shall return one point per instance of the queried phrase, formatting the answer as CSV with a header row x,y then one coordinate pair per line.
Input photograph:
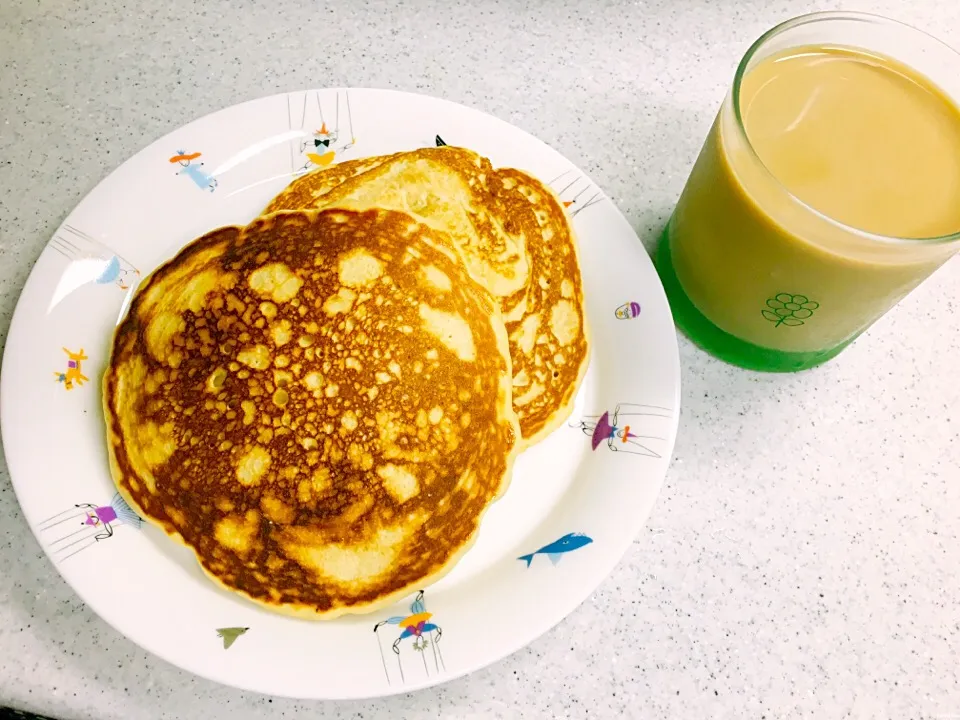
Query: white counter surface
x,y
803,559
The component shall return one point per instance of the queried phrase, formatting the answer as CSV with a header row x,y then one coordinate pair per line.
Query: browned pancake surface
x,y
545,318
447,189
318,405
549,347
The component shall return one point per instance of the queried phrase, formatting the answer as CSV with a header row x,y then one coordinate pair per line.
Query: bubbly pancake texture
x,y
304,192
545,319
446,188
548,335
318,405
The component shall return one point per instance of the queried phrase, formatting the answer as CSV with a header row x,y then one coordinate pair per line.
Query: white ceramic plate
x,y
576,501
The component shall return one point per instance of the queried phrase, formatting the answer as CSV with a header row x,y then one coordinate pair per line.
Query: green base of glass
x,y
722,344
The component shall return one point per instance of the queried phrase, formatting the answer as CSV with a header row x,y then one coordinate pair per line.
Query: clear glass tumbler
x,y
759,278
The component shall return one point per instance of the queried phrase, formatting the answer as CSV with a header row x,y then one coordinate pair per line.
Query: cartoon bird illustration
x,y
416,625
192,170
558,548
230,635
73,375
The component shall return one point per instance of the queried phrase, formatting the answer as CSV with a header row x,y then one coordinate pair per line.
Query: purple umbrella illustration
x,y
607,429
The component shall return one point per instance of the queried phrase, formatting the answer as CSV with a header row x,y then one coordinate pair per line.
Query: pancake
x,y
318,405
549,346
303,192
445,188
545,319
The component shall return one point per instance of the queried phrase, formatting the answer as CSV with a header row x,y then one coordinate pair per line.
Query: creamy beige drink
x,y
818,205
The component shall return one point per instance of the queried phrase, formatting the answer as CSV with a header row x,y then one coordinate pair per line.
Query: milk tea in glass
x,y
827,189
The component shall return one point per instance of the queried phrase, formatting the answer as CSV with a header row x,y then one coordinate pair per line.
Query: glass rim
x,y
742,132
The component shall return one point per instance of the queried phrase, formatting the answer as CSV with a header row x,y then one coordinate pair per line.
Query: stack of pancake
x,y
322,404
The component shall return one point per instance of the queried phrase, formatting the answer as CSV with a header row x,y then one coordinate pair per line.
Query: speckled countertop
x,y
803,559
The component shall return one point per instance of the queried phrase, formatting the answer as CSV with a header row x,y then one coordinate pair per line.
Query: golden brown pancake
x,y
318,405
548,335
545,318
445,188
303,193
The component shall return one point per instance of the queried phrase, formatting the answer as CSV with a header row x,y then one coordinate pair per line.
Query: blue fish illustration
x,y
557,549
